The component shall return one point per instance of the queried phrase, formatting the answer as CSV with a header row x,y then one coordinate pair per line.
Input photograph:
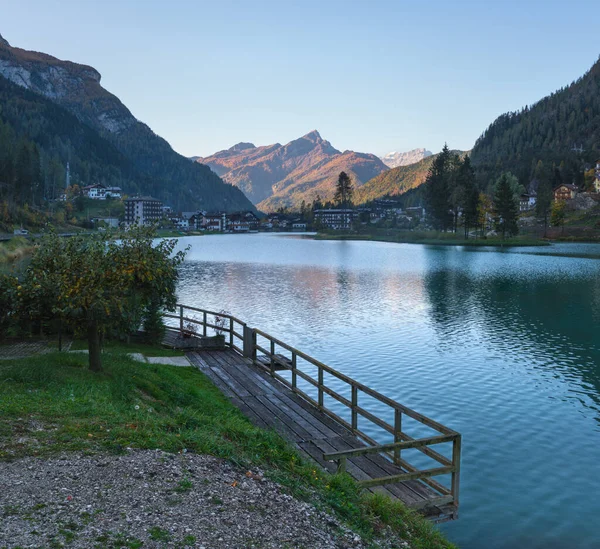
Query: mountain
x,y
156,168
397,181
275,176
394,182
548,131
395,159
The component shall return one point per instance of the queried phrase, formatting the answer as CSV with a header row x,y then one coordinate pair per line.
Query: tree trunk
x,y
94,348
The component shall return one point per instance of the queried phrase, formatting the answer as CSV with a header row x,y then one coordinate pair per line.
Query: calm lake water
x,y
502,346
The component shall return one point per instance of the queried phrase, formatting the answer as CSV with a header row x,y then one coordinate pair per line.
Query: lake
x,y
502,346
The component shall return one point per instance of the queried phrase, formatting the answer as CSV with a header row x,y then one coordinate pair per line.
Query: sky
x,y
371,76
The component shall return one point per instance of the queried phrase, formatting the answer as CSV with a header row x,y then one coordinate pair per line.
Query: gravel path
x,y
154,499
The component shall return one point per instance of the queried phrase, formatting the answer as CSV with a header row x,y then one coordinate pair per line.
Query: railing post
x,y
204,322
181,319
248,347
294,376
320,387
456,447
253,346
354,405
341,467
272,364
397,431
231,332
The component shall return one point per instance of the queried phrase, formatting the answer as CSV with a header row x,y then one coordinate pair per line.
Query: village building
x,y
335,218
143,210
298,225
527,202
100,192
566,191
216,221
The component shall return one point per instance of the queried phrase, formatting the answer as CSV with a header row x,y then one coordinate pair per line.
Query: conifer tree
x,y
469,194
506,207
437,191
343,190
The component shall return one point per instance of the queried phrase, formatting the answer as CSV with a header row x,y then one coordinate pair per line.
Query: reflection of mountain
x,y
538,322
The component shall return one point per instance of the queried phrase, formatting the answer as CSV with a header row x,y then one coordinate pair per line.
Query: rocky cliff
x,y
161,170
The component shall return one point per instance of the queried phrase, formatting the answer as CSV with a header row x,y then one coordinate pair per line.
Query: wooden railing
x,y
218,322
278,356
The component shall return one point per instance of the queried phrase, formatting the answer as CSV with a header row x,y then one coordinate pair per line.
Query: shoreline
x,y
435,241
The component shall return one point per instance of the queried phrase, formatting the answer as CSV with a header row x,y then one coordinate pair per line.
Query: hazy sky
x,y
371,76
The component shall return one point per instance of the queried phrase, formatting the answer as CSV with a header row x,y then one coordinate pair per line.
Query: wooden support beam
x,y
403,477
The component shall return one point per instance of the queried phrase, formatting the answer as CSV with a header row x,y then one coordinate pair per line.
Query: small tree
x,y
543,201
343,190
506,209
469,194
557,217
96,283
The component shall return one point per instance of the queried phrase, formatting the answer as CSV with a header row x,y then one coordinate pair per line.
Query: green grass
x,y
15,249
432,238
52,403
122,348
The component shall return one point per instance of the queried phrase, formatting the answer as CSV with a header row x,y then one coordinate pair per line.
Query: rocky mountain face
x,y
161,171
278,175
394,159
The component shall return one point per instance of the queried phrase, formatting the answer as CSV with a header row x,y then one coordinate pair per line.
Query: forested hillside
x,y
148,163
37,139
548,131
394,182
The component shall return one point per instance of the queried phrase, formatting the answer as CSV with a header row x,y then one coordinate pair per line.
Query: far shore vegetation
x,y
430,238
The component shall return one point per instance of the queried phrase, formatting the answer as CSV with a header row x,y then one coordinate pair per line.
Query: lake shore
x,y
434,239
143,425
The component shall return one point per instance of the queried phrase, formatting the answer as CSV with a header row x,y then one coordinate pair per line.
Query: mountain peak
x,y
3,41
313,136
242,146
394,159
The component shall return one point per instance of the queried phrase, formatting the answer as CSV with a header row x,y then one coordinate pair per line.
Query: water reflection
x,y
501,346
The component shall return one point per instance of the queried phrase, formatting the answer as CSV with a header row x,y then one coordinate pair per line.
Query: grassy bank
x,y
432,238
15,249
52,404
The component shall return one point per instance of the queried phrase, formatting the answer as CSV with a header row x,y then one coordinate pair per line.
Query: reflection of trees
x,y
549,321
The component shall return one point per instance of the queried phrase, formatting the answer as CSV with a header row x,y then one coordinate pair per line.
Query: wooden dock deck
x,y
256,384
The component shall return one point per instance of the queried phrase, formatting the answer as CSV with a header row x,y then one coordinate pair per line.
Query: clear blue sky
x,y
371,76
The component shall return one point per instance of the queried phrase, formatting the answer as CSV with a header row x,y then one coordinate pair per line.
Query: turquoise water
x,y
502,346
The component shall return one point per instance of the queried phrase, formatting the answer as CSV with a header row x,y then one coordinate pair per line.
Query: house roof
x,y
569,186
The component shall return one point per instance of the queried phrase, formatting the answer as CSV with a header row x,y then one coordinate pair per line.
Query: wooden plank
x,y
320,430
242,377
407,476
310,410
355,470
218,382
323,423
249,413
293,421
234,386
267,416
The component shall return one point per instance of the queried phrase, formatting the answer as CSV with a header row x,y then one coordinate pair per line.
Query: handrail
x,y
333,456
393,451
273,360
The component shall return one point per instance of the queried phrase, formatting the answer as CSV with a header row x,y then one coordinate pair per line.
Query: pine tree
x,y
506,208
343,190
437,191
469,194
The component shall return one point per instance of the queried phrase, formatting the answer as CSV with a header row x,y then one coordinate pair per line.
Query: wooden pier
x,y
270,382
